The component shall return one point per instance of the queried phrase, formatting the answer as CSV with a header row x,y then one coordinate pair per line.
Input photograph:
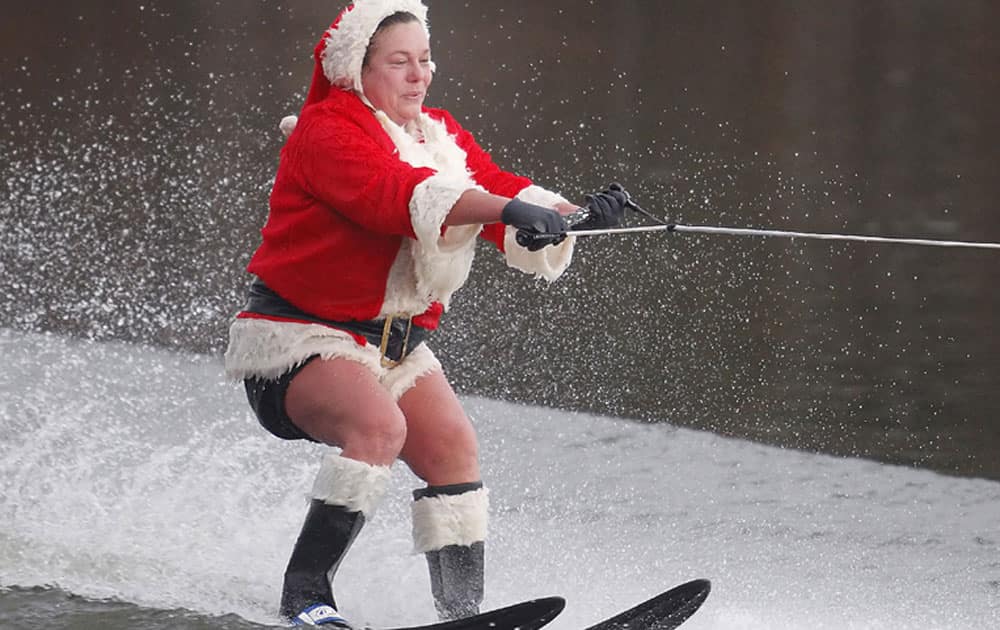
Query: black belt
x,y
395,336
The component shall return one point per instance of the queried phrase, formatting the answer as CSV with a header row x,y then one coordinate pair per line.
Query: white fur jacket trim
x,y
267,349
549,262
434,266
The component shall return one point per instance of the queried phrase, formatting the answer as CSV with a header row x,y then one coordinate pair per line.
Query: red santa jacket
x,y
340,209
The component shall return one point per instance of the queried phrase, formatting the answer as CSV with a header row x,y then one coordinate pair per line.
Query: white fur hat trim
x,y
347,42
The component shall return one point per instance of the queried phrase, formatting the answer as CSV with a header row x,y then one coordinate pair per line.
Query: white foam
x,y
138,473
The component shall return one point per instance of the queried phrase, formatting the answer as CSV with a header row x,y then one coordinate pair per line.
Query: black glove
x,y
536,226
605,209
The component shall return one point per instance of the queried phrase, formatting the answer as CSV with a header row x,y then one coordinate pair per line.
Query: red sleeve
x,y
350,166
484,170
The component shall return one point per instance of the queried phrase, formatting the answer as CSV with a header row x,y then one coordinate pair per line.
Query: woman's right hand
x,y
537,226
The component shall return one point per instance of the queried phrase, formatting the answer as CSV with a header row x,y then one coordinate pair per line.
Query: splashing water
x,y
137,474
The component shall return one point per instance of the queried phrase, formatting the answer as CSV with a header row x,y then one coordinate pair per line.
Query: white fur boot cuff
x,y
357,486
445,520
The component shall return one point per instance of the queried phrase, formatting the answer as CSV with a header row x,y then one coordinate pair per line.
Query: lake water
x,y
135,479
798,399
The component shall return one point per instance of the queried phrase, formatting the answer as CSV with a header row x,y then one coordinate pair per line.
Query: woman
x,y
373,222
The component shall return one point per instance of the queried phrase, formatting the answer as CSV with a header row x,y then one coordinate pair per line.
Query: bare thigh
x,y
441,446
341,403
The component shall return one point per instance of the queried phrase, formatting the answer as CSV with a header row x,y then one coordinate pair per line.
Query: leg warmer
x,y
449,515
354,485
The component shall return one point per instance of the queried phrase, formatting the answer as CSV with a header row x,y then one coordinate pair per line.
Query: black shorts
x,y
398,335
267,398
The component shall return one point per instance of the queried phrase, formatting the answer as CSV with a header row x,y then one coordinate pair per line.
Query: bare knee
x,y
373,437
377,440
443,457
340,403
441,446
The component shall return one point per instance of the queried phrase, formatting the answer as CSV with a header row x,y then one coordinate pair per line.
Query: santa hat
x,y
341,53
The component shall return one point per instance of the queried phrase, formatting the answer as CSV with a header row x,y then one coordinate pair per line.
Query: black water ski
x,y
529,615
666,611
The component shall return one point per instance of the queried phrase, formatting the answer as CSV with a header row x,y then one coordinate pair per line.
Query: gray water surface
x,y
159,503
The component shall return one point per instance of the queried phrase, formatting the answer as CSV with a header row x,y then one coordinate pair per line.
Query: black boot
x,y
326,535
449,526
457,580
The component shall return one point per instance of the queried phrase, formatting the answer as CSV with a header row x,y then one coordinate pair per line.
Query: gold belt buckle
x,y
384,345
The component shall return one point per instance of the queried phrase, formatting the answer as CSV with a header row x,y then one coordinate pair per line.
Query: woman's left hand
x,y
606,209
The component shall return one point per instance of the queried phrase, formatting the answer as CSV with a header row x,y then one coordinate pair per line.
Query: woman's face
x,y
398,72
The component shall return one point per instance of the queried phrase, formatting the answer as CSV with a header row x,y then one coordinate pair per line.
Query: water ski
x,y
666,611
529,615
